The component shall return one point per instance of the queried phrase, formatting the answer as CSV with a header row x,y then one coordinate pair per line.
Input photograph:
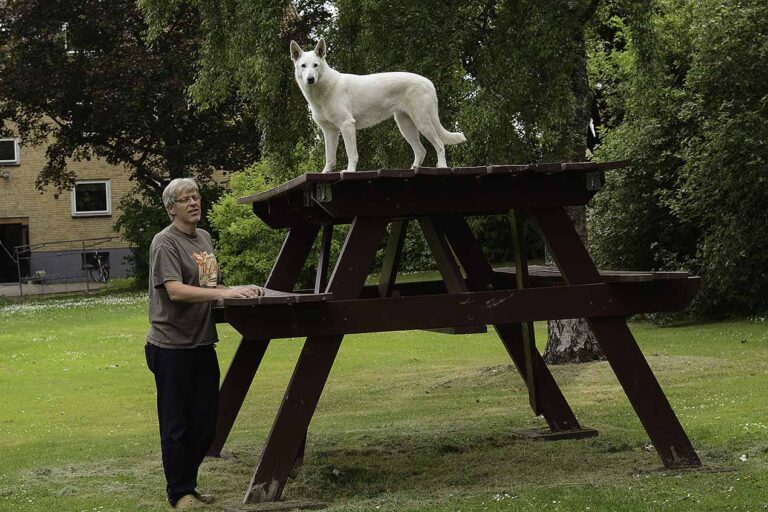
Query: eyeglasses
x,y
188,199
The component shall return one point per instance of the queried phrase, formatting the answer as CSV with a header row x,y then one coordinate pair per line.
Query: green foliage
x,y
511,76
244,52
143,216
518,102
247,247
79,78
694,124
725,177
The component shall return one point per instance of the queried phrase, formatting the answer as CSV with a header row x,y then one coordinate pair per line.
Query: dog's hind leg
x,y
411,134
427,129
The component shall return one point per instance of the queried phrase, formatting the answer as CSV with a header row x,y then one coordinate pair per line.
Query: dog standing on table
x,y
342,102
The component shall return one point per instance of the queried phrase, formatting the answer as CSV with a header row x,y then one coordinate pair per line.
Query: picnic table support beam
x,y
517,223
618,344
480,276
448,268
321,281
321,276
441,251
392,254
249,354
504,306
313,367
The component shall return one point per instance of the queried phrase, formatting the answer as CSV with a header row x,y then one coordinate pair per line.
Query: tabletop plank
x,y
317,177
276,297
470,171
302,182
432,171
610,276
396,173
469,309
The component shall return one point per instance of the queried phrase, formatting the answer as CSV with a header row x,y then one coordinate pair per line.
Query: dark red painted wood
x,y
517,223
482,296
321,275
449,270
250,351
392,253
461,310
289,429
441,251
618,345
540,382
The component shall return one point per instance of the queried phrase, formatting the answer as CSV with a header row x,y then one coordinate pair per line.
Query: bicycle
x,y
98,270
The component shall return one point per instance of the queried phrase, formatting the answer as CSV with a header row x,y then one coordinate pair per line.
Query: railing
x,y
84,246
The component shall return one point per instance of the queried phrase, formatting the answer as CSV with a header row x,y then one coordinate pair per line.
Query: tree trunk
x,y
571,340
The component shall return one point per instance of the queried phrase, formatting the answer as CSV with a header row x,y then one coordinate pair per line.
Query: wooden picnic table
x,y
470,296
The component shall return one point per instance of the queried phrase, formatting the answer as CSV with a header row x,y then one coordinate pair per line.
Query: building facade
x,y
58,236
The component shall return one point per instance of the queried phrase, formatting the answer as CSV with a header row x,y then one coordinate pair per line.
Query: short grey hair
x,y
175,187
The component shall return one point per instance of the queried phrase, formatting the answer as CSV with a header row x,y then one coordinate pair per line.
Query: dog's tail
x,y
447,137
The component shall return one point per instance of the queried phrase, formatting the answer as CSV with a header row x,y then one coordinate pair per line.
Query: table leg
x,y
321,276
313,367
517,223
321,281
446,262
234,387
618,345
449,270
480,276
249,353
392,255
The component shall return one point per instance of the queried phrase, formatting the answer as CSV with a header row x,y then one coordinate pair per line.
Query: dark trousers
x,y
187,383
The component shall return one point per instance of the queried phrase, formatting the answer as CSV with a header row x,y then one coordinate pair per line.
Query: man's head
x,y
182,200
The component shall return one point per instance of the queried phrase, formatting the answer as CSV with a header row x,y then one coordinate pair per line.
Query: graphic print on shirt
x,y
207,269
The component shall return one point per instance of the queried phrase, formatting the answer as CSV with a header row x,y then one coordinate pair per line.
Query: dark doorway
x,y
12,235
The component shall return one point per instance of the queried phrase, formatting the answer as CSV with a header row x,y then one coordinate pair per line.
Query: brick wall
x,y
50,214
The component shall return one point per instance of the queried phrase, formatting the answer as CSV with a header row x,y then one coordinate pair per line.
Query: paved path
x,y
12,289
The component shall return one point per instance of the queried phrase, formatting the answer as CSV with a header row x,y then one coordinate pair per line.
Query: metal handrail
x,y
28,248
52,242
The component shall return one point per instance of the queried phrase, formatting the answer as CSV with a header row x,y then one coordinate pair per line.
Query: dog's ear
x,y
320,48
295,51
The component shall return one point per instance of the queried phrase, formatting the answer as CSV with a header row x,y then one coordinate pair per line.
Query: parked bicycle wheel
x,y
99,275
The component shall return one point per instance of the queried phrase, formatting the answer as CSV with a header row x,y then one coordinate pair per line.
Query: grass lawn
x,y
408,421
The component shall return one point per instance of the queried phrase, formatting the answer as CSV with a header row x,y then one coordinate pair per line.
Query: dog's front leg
x,y
349,133
331,136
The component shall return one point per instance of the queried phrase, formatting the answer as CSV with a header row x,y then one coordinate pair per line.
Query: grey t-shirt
x,y
188,259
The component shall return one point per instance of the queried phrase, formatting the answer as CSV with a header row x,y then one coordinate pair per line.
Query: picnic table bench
x,y
470,295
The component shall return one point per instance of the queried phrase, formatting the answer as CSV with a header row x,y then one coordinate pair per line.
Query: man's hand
x,y
179,292
242,292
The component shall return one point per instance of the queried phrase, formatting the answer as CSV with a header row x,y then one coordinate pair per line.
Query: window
x,y
9,152
91,198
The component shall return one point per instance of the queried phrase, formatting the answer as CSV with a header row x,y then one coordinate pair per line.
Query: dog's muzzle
x,y
310,80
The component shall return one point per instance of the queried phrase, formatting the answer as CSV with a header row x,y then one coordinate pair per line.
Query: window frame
x,y
16,152
100,213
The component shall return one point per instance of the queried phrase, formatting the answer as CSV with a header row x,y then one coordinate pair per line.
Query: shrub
x,y
246,247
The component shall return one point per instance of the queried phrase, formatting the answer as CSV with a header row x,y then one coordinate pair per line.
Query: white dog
x,y
344,103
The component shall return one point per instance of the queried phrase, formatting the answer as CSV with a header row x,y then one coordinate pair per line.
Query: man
x,y
183,282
